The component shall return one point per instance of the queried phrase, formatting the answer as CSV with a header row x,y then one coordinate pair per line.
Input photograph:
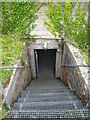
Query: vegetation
x,y
17,16
76,27
50,27
12,49
4,110
17,21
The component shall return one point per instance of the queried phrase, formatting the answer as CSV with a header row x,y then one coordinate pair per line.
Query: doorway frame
x,y
39,45
37,62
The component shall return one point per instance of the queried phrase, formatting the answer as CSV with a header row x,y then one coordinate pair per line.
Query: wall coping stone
x,y
9,86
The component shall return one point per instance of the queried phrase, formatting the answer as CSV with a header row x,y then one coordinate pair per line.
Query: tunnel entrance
x,y
45,62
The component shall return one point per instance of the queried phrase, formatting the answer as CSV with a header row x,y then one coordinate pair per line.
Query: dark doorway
x,y
46,63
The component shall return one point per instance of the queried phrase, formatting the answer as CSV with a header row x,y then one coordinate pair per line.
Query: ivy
x,y
75,26
17,16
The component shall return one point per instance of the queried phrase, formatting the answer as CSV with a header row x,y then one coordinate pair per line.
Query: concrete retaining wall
x,y
19,80
75,77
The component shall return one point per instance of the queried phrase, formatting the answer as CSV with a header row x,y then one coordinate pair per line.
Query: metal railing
x,y
2,89
76,65
7,103
12,67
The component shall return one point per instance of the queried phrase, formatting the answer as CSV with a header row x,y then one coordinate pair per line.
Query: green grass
x,y
10,45
83,53
85,56
74,43
4,111
50,27
41,12
74,30
5,76
0,115
12,49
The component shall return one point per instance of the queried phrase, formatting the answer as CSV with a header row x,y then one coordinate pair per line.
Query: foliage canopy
x,y
75,26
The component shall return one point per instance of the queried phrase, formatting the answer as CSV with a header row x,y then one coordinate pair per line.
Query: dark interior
x,y
46,63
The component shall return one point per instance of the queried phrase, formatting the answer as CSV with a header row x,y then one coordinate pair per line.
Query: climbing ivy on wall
x,y
75,26
17,16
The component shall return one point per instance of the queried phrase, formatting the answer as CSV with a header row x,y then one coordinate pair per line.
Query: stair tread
x,y
48,98
47,104
50,113
68,106
45,94
41,96
44,91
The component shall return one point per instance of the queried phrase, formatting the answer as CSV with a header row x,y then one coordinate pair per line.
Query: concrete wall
x,y
75,77
39,44
19,80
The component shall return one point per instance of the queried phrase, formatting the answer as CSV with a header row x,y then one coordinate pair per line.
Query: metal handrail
x,y
63,19
12,67
88,65
43,38
7,103
87,106
9,67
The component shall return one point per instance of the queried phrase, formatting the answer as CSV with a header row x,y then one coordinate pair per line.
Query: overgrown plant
x,y
4,111
17,16
50,27
75,26
16,20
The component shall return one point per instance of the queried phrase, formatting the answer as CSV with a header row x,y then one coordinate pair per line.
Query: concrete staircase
x,y
48,98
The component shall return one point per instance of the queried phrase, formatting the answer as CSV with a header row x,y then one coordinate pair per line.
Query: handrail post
x,y
63,19
5,96
88,104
